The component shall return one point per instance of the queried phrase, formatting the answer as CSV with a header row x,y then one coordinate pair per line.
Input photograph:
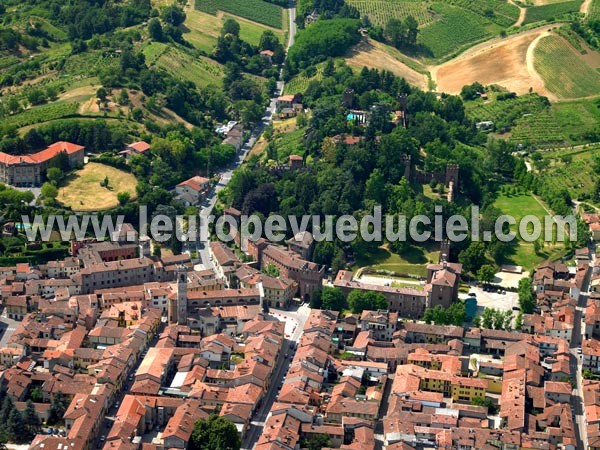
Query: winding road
x,y
202,248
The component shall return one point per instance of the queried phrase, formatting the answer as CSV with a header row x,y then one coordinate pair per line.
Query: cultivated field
x,y
563,70
201,71
503,62
83,192
374,54
256,10
456,28
381,11
551,11
572,170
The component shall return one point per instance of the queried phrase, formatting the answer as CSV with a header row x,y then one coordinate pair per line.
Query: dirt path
x,y
522,13
585,7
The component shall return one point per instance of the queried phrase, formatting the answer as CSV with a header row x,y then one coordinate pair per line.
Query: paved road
x,y
7,328
207,207
577,363
260,417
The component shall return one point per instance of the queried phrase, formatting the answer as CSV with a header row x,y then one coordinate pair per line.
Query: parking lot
x,y
503,302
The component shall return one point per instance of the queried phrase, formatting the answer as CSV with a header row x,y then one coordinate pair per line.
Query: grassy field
x,y
182,65
523,253
203,29
412,262
563,70
255,10
456,28
551,11
83,192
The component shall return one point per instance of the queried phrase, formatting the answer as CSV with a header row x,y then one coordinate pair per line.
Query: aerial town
x,y
299,224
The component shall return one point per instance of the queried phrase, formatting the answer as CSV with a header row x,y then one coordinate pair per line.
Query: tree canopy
x,y
215,433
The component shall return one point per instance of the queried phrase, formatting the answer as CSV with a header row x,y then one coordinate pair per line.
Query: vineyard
x,y
594,10
538,130
181,65
552,11
456,28
300,82
498,11
572,171
381,11
563,71
40,114
255,10
505,113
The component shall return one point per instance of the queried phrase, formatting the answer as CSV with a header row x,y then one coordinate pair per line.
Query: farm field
x,y
571,170
594,13
456,28
300,82
83,192
563,70
203,29
41,113
381,11
498,11
256,10
180,64
523,253
502,62
504,113
551,11
377,55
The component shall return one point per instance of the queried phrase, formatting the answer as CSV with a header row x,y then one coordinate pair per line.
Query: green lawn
x,y
563,70
523,253
412,262
203,29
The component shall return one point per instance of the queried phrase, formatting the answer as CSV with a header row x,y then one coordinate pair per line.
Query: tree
x,y
487,402
526,299
173,15
333,299
473,257
123,198
49,192
316,299
101,94
15,425
36,394
31,420
231,27
214,433
317,442
58,406
54,175
155,30
486,273
358,301
272,270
